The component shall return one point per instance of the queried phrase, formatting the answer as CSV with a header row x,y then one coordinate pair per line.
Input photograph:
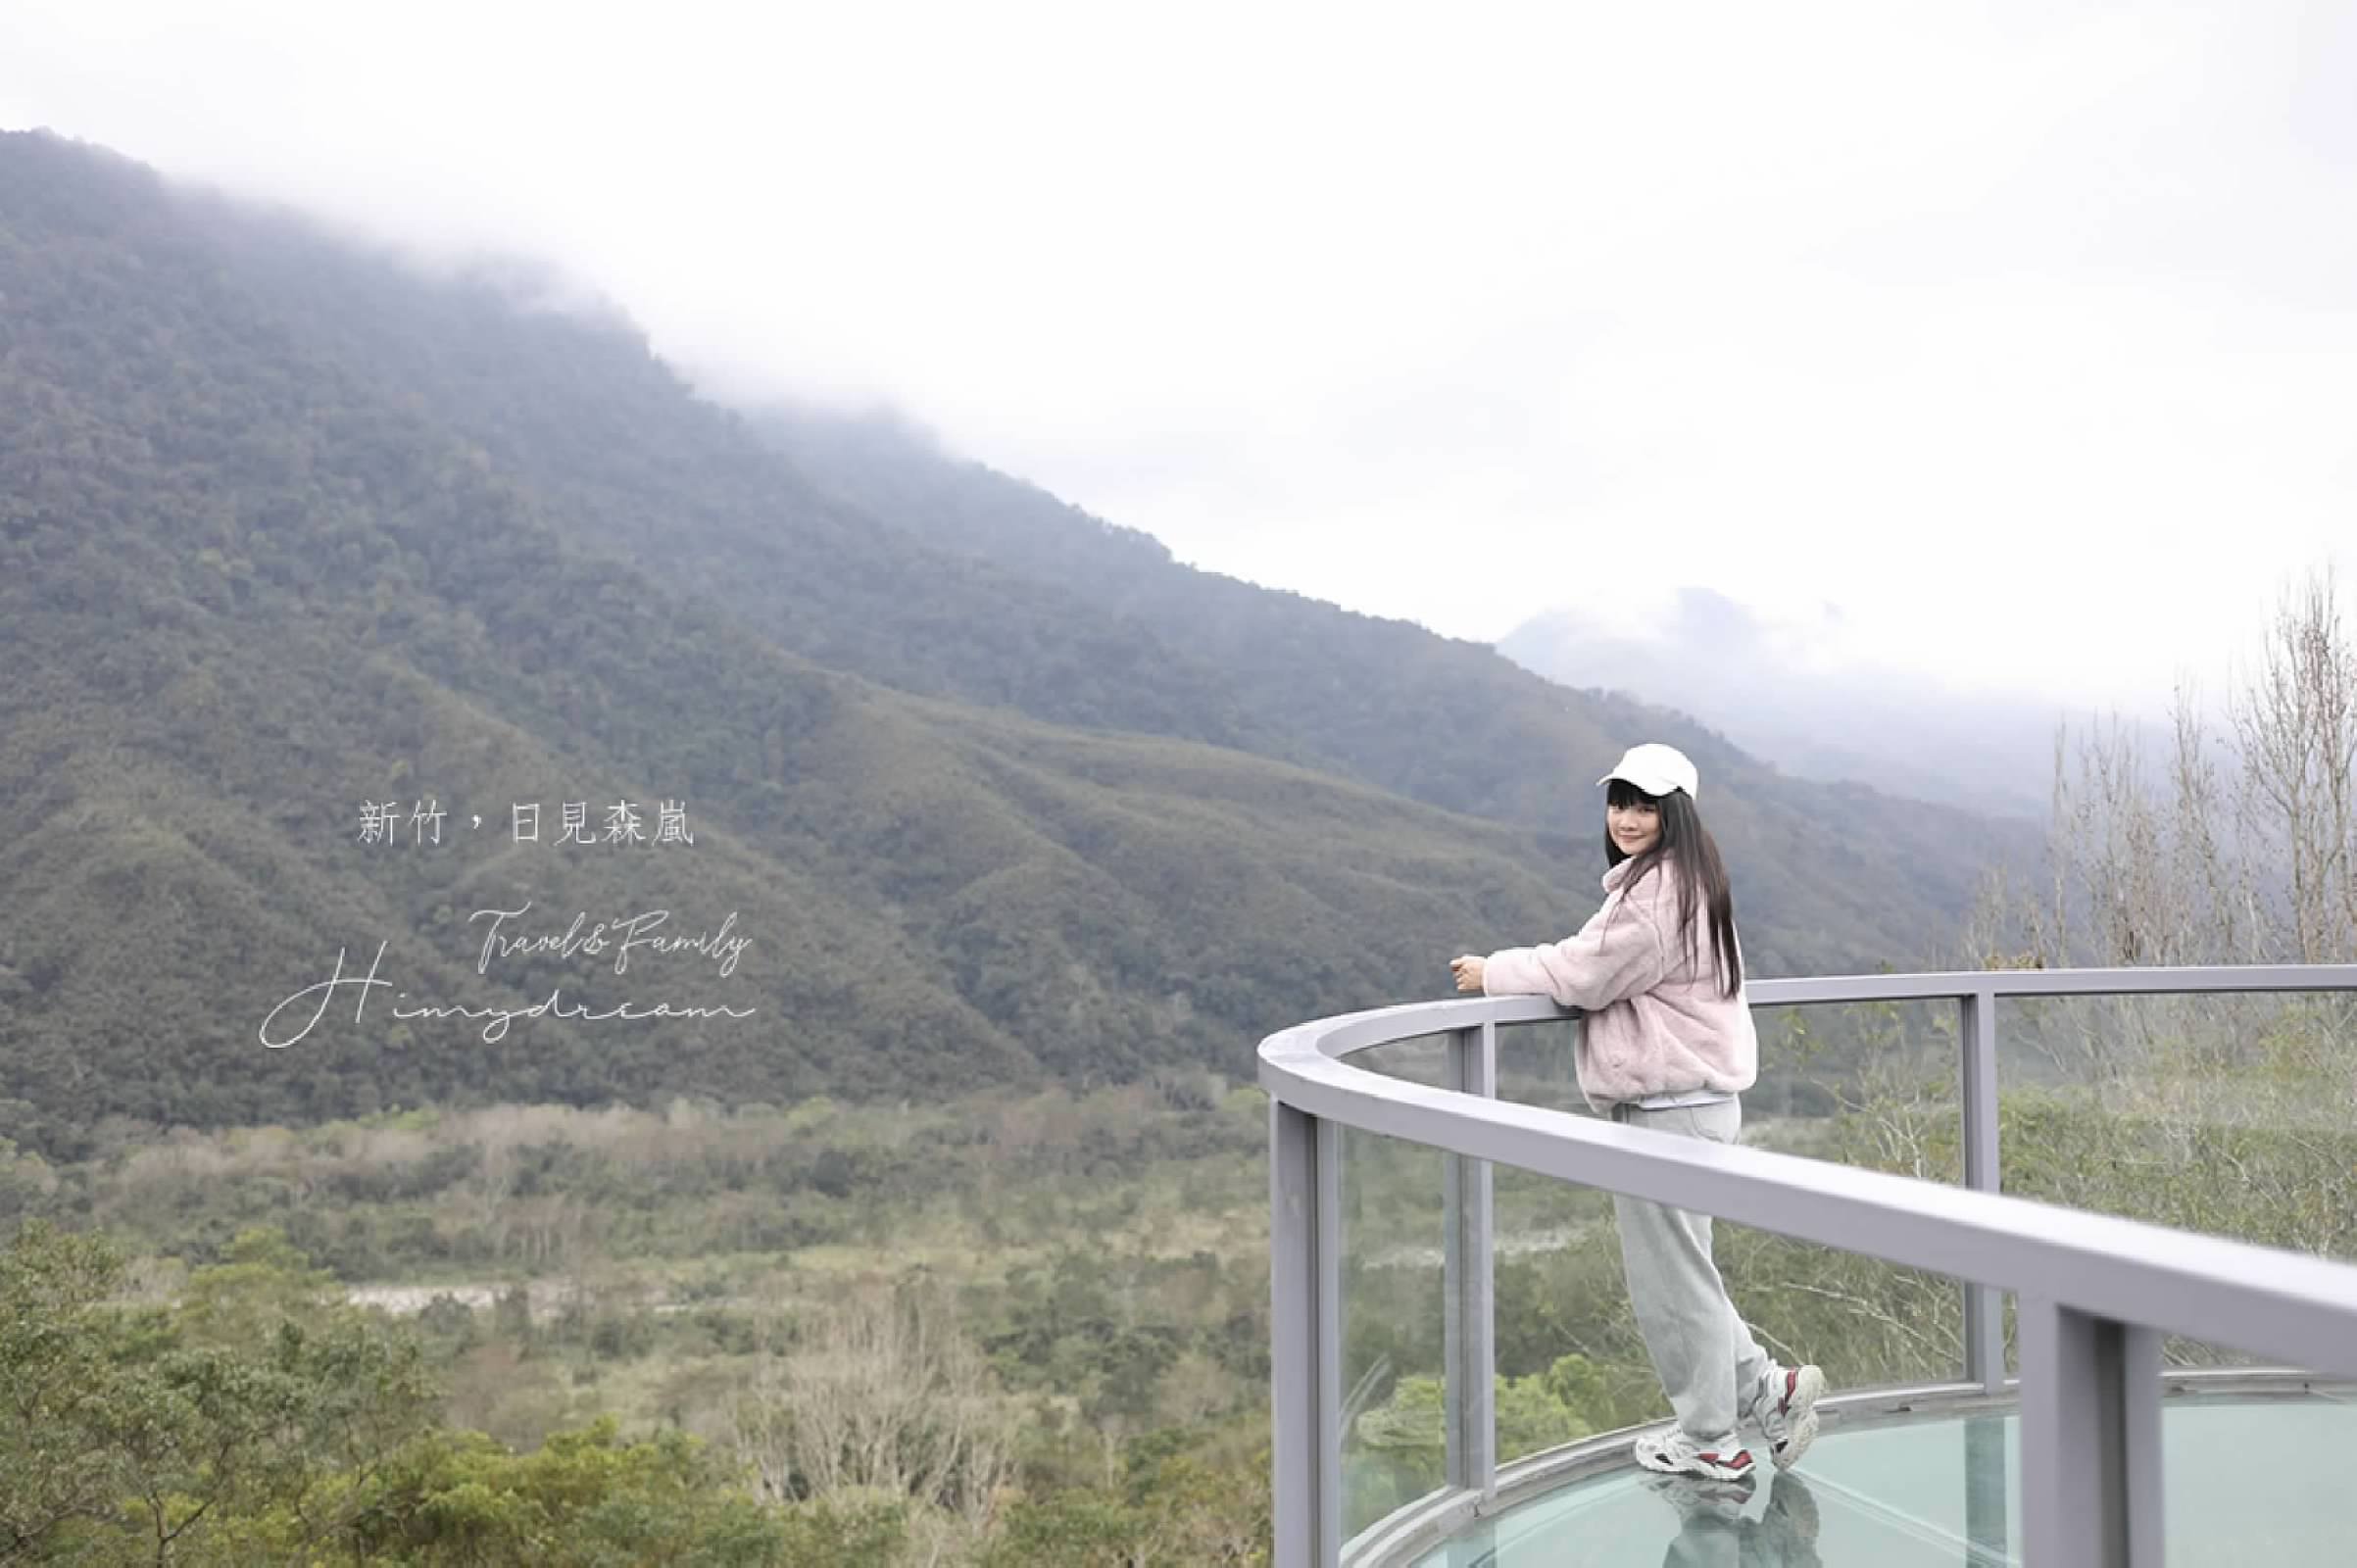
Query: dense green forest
x,y
286,528
1014,1330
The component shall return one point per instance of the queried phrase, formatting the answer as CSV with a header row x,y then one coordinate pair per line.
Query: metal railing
x,y
2094,1293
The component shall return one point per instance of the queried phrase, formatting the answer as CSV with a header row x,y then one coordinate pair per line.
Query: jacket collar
x,y
1618,874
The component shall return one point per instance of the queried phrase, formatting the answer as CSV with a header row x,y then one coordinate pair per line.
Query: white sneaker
x,y
1786,1410
1677,1453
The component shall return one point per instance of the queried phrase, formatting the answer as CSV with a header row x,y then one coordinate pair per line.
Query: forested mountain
x,y
944,579
285,528
1836,874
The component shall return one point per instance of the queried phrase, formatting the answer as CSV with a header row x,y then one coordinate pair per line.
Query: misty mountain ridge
x,y
1011,795
1896,732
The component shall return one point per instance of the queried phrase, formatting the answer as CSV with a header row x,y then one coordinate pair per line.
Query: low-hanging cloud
x,y
2022,336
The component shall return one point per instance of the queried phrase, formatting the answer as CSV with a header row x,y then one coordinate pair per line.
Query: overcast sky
x,y
2012,344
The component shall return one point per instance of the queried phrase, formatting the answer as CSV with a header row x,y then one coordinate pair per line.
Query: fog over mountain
x,y
1005,793
1772,691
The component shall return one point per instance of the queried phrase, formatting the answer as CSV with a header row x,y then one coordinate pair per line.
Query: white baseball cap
x,y
1656,769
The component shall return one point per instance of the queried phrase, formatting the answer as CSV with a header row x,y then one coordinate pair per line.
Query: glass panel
x,y
2232,1116
1865,1083
1875,1085
2249,1476
1419,1059
1535,1066
1869,1324
1920,1491
1393,1446
1570,1364
2249,1462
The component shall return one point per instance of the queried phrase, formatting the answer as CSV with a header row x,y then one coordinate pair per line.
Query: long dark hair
x,y
1686,848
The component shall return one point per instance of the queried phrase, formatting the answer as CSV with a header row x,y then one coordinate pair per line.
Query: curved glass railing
x,y
1407,1407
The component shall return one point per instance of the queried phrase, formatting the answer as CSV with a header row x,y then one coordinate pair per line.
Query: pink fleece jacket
x,y
1655,1023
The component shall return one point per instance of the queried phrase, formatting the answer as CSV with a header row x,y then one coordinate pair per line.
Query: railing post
x,y
1470,1333
1304,1244
2090,1440
1984,1308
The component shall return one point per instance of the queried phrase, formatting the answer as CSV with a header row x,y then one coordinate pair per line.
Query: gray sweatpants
x,y
1709,1364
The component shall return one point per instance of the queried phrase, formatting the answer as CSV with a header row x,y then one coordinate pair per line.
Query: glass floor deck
x,y
2246,1481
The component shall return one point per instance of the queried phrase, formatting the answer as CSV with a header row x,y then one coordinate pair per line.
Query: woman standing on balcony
x,y
1669,1046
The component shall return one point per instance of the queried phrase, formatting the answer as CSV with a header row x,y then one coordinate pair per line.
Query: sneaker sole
x,y
1806,1390
1682,1486
1725,1473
